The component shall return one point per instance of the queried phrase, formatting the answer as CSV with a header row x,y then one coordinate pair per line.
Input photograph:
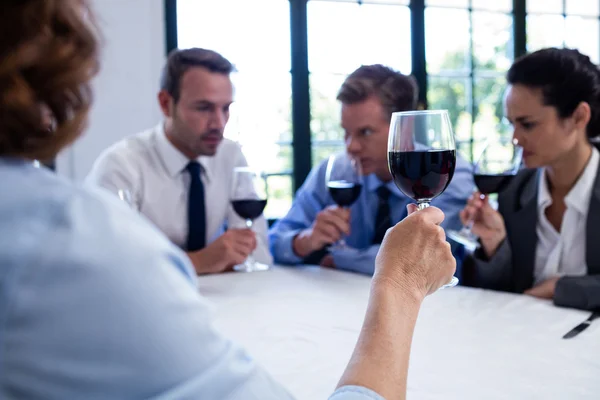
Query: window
x,y
569,23
259,46
466,65
469,45
342,36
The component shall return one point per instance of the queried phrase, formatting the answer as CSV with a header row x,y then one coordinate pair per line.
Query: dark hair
x,y
566,78
179,61
397,92
48,54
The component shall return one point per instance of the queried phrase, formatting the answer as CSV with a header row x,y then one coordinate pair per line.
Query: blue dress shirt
x,y
360,255
96,303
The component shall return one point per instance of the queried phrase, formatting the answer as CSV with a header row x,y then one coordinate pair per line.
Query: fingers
x,y
429,215
411,208
326,233
243,241
338,217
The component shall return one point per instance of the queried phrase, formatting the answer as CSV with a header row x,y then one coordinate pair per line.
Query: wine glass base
x,y
453,282
251,267
467,239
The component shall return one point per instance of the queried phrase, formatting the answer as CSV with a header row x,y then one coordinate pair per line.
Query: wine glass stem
x,y
250,259
421,205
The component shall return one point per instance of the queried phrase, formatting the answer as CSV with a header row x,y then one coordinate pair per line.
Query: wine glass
x,y
493,171
249,199
422,155
344,182
125,196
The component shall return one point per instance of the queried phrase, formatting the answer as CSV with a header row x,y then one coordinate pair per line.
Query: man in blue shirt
x,y
369,96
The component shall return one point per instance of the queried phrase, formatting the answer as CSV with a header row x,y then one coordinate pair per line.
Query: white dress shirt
x,y
563,253
154,172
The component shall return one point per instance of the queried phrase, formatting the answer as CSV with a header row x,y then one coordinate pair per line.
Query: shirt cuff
x,y
355,393
355,260
283,249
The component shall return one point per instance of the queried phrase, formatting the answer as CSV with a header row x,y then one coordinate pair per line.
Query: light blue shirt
x,y
95,303
360,255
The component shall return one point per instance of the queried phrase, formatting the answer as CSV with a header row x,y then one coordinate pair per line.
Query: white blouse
x,y
563,253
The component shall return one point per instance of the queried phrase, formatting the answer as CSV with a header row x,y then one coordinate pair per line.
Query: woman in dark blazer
x,y
544,239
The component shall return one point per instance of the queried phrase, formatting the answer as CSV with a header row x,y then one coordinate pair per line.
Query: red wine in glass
x,y
248,200
249,209
494,170
344,193
422,155
489,184
422,175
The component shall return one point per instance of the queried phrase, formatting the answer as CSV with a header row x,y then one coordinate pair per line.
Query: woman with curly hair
x,y
95,303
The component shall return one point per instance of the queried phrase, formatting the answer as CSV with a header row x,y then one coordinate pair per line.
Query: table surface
x,y
301,324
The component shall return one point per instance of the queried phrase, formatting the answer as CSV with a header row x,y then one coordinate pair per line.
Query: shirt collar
x,y
579,196
173,160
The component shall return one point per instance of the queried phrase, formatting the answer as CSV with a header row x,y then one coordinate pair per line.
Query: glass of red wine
x,y
422,155
249,199
344,182
493,171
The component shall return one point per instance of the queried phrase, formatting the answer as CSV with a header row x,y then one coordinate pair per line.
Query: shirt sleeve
x,y
356,260
114,172
311,198
355,393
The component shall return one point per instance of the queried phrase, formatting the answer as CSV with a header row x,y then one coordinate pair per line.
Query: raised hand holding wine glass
x,y
422,155
249,199
344,182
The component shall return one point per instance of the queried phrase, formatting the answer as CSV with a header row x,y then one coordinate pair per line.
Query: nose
x,y
219,120
353,146
517,137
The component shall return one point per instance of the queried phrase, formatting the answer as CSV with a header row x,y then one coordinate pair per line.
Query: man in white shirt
x,y
179,174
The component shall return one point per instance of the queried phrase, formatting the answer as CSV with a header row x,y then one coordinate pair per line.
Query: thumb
x,y
411,208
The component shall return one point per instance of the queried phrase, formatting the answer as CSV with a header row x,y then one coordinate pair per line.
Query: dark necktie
x,y
383,220
196,210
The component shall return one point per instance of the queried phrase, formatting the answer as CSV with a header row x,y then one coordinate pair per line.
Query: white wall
x,y
125,89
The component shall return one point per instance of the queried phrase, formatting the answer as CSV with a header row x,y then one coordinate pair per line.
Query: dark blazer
x,y
511,268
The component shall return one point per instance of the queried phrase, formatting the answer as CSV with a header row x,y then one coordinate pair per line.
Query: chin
x,y
532,162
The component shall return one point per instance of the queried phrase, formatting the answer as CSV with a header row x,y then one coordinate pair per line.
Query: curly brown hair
x,y
48,55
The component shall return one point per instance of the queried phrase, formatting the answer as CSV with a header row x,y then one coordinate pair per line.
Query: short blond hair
x,y
396,91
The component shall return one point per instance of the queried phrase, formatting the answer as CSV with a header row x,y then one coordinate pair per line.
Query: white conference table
x,y
302,323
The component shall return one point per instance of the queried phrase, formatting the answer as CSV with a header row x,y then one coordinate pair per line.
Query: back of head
x,y
179,61
566,78
48,54
397,92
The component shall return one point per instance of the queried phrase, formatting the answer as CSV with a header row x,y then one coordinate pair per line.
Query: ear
x,y
581,116
165,101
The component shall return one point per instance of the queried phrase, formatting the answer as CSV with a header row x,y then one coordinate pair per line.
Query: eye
x,y
226,109
527,125
366,132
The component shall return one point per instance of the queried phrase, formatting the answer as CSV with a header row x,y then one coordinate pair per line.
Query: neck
x,y
169,133
563,174
384,176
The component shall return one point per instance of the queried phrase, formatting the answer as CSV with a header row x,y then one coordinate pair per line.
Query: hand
x,y
544,290
231,248
415,257
327,262
328,228
488,224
